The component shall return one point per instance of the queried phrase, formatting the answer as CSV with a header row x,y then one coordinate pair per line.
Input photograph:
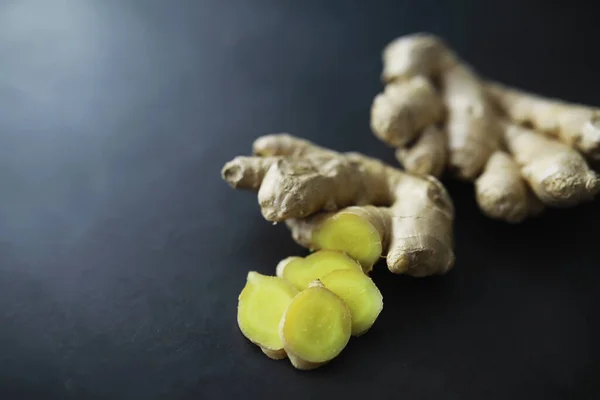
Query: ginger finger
x,y
315,327
246,172
413,55
284,144
403,110
294,187
472,128
261,305
471,123
300,272
359,293
421,241
558,174
502,193
427,156
573,124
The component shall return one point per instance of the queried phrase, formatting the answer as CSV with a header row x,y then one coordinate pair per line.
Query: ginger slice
x,y
360,294
350,232
261,305
315,327
300,272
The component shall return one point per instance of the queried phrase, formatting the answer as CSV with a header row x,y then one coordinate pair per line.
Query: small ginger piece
x,y
406,218
558,175
573,124
404,109
359,293
315,328
261,305
300,272
360,232
428,155
502,193
416,54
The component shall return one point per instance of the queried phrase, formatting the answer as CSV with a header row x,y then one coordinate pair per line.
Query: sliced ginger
x,y
315,327
260,308
359,293
300,272
349,232
360,232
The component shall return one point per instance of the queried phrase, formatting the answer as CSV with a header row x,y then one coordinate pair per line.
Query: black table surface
x,y
122,252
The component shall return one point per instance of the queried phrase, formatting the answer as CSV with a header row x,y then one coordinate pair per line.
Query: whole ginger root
x,y
350,203
486,137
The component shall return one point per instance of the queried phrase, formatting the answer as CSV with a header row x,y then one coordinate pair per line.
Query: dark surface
x,y
122,252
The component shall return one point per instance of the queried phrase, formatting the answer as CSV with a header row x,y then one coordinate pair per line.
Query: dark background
x,y
122,252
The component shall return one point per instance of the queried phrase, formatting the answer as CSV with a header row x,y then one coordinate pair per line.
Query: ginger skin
x,y
315,327
558,175
428,155
481,120
470,123
413,220
575,125
502,193
413,55
403,110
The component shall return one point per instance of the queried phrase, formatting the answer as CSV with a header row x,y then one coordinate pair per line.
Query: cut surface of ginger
x,y
315,327
360,294
352,234
261,305
300,272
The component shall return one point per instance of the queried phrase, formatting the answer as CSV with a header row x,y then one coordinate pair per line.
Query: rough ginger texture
x,y
382,210
575,125
471,125
516,170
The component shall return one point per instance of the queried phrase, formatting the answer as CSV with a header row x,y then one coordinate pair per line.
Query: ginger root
x,y
472,133
260,308
382,210
359,293
502,193
300,272
315,327
557,173
517,171
428,155
403,110
575,125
